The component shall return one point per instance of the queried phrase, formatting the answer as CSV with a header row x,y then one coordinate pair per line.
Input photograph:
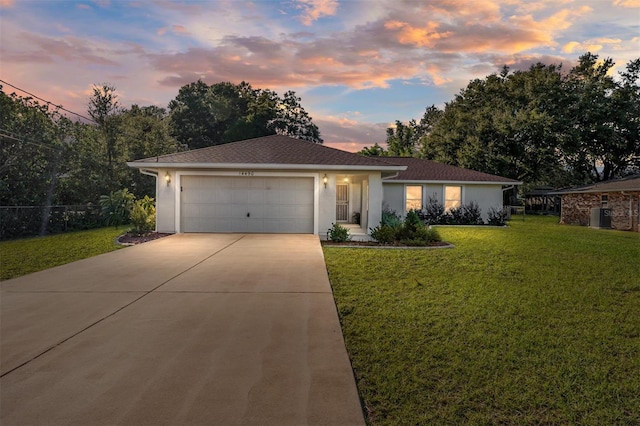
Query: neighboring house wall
x,y
576,208
484,195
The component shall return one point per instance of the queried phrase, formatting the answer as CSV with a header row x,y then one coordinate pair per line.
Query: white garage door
x,y
246,204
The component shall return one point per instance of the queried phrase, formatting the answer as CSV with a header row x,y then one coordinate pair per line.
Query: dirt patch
x,y
130,239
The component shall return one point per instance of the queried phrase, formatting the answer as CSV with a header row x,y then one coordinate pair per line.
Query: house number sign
x,y
245,173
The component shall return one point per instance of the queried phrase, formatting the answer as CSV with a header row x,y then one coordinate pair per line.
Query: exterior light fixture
x,y
325,179
167,177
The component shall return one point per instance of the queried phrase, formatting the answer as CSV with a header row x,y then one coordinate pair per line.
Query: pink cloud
x,y
7,3
315,9
627,3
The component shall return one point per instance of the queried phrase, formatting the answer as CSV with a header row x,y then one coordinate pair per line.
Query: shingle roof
x,y
274,149
629,183
419,169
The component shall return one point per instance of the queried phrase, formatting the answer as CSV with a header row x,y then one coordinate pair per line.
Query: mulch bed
x,y
130,238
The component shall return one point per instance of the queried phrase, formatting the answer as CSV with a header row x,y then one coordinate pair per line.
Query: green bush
x,y
143,215
497,216
338,233
411,232
117,206
391,218
433,213
384,234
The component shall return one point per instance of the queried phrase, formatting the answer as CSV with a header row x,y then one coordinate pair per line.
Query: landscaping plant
x,y
338,233
143,215
117,206
411,232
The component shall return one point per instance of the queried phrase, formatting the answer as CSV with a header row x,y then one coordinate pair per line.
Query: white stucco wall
x,y
375,200
486,196
167,196
327,202
165,202
393,197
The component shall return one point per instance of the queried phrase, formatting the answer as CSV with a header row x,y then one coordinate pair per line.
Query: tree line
x,y
48,159
543,126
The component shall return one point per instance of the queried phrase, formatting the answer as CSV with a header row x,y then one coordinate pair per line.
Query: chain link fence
x,y
27,221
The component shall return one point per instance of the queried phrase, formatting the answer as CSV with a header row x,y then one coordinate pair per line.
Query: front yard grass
x,y
24,256
537,323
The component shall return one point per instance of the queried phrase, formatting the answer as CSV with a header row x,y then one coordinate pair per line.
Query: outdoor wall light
x,y
325,179
167,177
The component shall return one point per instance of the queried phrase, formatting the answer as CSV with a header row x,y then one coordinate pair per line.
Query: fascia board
x,y
461,182
262,166
593,191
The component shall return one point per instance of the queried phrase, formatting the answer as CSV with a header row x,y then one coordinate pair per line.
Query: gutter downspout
x,y
149,173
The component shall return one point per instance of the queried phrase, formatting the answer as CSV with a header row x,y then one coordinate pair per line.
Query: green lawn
x,y
20,257
537,323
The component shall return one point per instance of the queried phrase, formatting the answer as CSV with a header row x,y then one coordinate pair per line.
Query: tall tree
x,y
373,151
602,141
203,115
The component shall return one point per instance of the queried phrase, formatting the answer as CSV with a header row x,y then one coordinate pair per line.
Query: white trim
x,y
449,182
422,190
265,166
178,188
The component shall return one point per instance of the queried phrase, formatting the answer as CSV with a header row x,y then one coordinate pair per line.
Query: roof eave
x,y
592,191
466,182
267,166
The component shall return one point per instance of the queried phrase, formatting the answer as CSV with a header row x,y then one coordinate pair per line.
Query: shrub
x,y
143,215
338,233
411,232
497,216
470,214
117,206
390,217
433,213
384,234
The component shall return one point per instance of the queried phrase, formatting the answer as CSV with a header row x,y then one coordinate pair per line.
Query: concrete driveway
x,y
195,329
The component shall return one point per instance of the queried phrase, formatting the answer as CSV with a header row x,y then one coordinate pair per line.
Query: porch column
x,y
375,200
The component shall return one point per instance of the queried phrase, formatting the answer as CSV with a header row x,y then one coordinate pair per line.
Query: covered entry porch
x,y
353,200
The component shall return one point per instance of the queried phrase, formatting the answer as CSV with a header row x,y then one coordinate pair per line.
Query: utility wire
x,y
8,134
48,102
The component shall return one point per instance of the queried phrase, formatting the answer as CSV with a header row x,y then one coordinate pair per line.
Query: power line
x,y
48,102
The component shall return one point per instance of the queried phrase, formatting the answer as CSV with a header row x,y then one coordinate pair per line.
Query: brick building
x,y
621,196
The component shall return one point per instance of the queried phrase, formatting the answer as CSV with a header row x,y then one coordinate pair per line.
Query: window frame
x,y
414,200
447,200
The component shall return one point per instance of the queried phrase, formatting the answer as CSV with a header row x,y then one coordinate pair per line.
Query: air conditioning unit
x,y
600,218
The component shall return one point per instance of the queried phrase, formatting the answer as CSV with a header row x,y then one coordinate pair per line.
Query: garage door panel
x,y
257,196
221,204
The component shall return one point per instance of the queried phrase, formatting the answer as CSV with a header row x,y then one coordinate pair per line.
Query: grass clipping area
x,y
24,256
537,323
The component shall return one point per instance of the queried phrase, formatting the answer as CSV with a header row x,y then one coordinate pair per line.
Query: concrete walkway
x,y
196,329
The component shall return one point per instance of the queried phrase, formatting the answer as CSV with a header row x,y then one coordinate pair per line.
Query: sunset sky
x,y
358,65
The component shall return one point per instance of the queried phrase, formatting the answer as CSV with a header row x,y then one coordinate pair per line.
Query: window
x,y
452,197
413,197
604,201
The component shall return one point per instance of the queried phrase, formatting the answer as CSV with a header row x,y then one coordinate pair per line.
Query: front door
x,y
342,202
